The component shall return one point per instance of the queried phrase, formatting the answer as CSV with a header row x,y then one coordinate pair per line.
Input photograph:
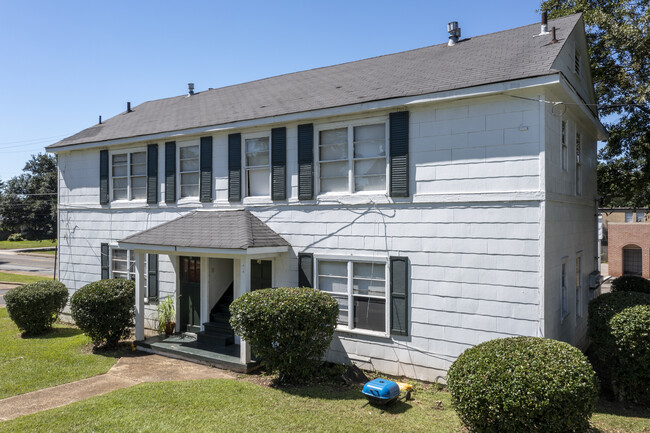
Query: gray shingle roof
x,y
495,57
238,229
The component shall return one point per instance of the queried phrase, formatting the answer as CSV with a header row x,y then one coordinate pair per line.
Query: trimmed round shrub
x,y
631,369
35,307
104,310
289,329
629,283
619,327
523,384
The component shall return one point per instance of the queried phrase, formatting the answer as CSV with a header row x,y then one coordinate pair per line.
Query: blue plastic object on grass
x,y
381,391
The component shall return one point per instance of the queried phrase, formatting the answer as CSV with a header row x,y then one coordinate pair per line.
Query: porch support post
x,y
139,296
245,282
205,290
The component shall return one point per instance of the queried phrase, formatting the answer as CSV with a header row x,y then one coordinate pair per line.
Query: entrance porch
x,y
217,257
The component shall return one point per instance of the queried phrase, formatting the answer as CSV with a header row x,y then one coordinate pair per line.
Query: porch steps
x,y
218,332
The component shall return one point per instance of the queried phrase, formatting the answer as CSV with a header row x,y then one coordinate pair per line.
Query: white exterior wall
x,y
471,228
571,227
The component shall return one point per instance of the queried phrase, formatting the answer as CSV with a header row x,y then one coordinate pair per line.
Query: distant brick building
x,y
629,246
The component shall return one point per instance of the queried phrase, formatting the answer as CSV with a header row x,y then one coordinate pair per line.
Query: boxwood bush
x,y
619,327
629,283
523,384
35,307
289,329
104,310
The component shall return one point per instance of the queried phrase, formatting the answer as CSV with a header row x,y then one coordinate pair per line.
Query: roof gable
x,y
492,58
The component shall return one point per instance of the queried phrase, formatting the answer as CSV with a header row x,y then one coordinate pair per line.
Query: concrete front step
x,y
215,338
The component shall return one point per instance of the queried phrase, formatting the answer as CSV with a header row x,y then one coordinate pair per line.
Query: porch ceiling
x,y
232,231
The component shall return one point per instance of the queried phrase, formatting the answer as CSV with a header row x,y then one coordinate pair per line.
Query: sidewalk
x,y
128,371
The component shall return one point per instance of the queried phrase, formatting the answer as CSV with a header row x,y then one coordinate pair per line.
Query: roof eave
x,y
183,250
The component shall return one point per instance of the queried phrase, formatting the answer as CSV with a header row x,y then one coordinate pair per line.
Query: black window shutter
x,y
152,276
103,176
152,173
306,162
234,167
399,305
104,259
205,194
278,163
305,270
170,172
399,154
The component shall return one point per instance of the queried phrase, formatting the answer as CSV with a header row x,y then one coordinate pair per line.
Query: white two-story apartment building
x,y
444,196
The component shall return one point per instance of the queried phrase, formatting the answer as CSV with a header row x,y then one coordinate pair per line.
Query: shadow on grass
x,y
52,333
124,349
606,407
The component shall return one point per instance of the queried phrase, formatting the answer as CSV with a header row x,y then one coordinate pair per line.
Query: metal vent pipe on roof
x,y
128,107
544,22
554,37
190,87
454,33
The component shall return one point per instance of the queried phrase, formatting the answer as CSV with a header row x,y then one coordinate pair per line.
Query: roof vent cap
x,y
454,33
190,88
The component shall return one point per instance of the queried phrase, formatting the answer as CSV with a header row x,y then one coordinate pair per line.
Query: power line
x,y
35,139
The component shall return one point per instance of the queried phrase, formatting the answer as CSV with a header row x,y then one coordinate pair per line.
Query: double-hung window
x,y
564,290
257,166
129,175
188,167
123,266
360,290
579,286
640,217
565,153
578,164
353,158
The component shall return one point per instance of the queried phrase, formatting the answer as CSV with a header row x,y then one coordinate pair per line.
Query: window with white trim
x,y
129,176
578,164
352,158
123,266
564,290
565,153
188,170
360,290
257,166
579,286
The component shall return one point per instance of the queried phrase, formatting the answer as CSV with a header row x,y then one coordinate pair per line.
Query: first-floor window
x,y
579,286
640,217
565,291
360,290
123,266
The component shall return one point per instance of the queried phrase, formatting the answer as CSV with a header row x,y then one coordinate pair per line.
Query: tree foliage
x,y
28,201
618,32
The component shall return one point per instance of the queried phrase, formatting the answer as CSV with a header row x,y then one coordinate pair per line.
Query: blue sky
x,y
64,63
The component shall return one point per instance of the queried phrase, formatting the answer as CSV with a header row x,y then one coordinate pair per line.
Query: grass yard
x,y
60,356
7,277
241,406
10,245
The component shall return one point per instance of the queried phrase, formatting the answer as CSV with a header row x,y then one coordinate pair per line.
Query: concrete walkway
x,y
128,371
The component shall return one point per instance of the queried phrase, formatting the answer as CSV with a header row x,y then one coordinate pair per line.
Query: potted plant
x,y
166,316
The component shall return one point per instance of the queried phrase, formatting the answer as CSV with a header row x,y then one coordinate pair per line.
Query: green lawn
x,y
8,245
229,405
7,277
60,356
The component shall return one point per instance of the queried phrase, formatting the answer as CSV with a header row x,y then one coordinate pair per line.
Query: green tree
x,y
28,201
618,32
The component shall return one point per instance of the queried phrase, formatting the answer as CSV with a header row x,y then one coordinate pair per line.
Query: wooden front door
x,y
261,274
190,294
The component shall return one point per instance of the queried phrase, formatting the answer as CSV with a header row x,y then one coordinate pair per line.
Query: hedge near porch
x,y
289,329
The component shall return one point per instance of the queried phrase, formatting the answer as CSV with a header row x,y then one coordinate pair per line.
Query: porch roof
x,y
230,231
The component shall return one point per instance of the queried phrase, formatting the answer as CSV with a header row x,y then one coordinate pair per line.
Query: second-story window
x,y
188,157
578,164
257,166
129,175
564,147
353,159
